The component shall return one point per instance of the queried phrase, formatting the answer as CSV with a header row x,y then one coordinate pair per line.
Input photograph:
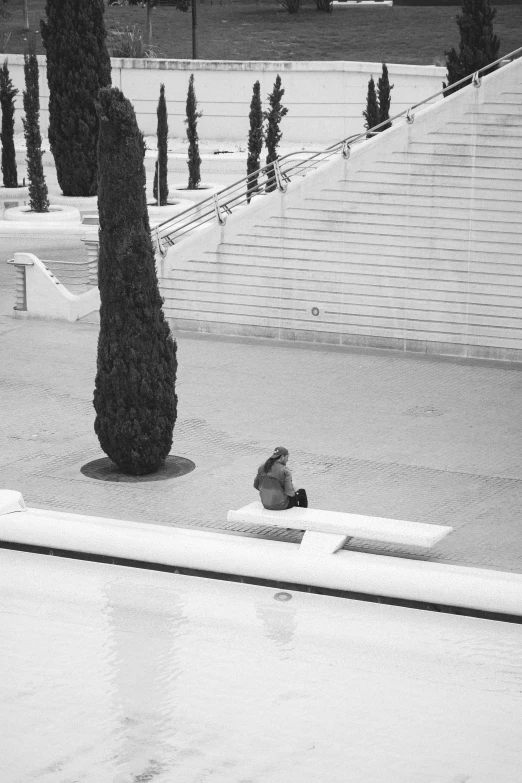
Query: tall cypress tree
x,y
8,92
255,140
134,396
78,65
371,114
193,115
160,188
384,89
478,46
38,196
273,116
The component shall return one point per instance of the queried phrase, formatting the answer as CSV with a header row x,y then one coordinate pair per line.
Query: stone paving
x,y
371,432
368,432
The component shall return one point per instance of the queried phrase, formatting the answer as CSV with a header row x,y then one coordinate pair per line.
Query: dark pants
x,y
299,499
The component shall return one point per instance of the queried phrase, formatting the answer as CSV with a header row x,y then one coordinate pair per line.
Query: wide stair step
x,y
300,235
403,215
325,260
449,171
450,196
415,240
504,148
402,208
352,280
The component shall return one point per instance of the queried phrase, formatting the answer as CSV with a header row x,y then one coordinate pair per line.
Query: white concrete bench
x,y
10,501
327,531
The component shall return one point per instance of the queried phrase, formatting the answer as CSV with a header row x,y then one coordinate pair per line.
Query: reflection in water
x,y
55,644
147,626
279,623
118,675
480,653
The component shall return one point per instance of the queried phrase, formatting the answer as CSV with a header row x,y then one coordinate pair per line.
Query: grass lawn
x,y
262,30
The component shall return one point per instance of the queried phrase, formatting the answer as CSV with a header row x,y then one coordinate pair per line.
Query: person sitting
x,y
274,483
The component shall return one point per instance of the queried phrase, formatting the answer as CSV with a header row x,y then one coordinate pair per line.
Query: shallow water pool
x,y
121,675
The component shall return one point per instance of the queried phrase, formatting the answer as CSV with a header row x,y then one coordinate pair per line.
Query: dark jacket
x,y
275,487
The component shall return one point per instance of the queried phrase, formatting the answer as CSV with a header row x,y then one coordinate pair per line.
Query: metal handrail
x,y
276,175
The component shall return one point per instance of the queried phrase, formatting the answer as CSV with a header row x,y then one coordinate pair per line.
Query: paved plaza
x,y
369,432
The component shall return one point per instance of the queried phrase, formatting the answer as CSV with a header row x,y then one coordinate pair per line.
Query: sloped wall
x,y
414,243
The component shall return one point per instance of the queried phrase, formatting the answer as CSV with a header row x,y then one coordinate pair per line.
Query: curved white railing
x,y
277,175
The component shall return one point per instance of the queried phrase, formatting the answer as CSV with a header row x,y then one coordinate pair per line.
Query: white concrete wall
x,y
394,577
414,243
325,99
46,297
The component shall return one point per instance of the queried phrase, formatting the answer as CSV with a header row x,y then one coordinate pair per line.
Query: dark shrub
x,y
371,115
194,161
78,65
38,198
273,133
292,6
255,140
384,98
162,164
134,396
478,45
7,96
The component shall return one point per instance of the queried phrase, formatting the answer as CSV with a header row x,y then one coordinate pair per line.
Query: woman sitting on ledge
x,y
274,482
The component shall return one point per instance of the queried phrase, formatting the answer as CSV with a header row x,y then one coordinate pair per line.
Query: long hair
x,y
267,467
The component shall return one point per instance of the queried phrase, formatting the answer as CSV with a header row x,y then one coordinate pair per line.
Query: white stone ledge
x,y
63,213
251,65
13,227
301,66
393,577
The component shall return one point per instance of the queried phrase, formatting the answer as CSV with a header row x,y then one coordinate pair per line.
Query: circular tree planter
x,y
56,214
196,195
82,203
173,207
14,194
104,469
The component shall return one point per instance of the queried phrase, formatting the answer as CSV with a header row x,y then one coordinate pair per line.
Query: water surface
x,y
120,675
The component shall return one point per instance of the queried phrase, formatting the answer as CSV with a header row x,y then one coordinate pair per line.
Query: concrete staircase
x,y
414,243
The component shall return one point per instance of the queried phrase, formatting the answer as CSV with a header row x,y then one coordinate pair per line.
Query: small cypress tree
x,y
371,114
478,45
194,161
8,93
38,197
255,140
162,194
384,89
78,64
273,136
134,396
